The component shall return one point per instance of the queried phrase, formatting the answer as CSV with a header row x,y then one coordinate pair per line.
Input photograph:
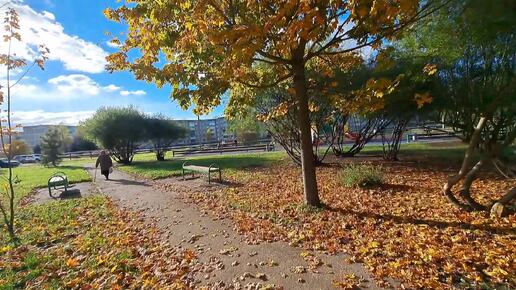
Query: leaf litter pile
x,y
404,230
91,244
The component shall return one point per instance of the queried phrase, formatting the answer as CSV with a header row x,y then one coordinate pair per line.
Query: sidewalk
x,y
228,262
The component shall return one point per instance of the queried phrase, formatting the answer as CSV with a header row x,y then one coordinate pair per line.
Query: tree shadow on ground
x,y
70,194
70,167
396,187
214,181
123,181
417,221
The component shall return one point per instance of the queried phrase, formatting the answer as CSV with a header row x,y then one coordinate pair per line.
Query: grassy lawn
x,y
146,165
436,153
82,161
85,243
36,176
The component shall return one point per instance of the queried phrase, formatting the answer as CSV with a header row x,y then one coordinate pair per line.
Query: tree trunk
x,y
160,154
501,207
391,146
468,156
307,155
465,191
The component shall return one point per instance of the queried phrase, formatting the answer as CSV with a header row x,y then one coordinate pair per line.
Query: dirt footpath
x,y
228,262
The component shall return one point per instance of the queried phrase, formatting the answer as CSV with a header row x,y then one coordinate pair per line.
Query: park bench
x,y
202,169
58,180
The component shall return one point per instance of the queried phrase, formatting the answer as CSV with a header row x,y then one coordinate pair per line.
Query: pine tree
x,y
51,147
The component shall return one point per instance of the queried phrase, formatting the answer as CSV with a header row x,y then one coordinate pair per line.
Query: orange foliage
x,y
404,230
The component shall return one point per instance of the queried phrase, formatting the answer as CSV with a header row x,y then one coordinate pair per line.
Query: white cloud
x,y
75,83
40,117
41,28
135,93
24,89
66,88
111,88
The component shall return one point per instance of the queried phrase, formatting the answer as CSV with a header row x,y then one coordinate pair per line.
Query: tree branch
x,y
279,80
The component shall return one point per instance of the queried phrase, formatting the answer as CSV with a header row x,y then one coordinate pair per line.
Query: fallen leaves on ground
x,y
90,244
405,230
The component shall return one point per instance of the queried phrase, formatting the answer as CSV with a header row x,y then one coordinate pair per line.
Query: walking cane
x,y
95,175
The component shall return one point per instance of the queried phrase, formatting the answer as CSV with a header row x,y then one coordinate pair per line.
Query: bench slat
x,y
200,168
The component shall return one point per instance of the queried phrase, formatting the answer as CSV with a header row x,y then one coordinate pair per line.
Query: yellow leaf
x,y
72,263
422,99
430,69
373,244
304,254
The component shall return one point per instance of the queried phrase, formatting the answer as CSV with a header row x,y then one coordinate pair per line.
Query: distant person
x,y
236,143
105,164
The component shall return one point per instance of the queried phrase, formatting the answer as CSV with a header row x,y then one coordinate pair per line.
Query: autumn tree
x,y
275,109
414,81
276,106
476,67
19,147
12,63
361,108
204,48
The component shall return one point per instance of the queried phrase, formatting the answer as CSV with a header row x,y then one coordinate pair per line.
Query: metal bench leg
x,y
183,174
209,177
220,176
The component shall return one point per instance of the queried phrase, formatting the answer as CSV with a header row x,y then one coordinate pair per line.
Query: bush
x,y
361,175
118,129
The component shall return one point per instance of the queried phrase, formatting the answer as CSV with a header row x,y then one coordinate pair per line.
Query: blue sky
x,y
74,83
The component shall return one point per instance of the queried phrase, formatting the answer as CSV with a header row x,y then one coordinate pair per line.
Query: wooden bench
x,y
202,169
58,180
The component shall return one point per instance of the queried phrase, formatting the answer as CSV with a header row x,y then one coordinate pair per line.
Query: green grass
x,y
454,151
145,165
438,152
361,175
54,232
82,161
36,176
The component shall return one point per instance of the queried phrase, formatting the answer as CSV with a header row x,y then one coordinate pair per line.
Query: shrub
x,y
361,175
119,129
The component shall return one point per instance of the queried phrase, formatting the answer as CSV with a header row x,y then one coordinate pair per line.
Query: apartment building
x,y
32,134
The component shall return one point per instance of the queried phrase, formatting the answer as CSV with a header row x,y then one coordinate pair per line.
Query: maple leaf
x,y
72,263
422,99
430,69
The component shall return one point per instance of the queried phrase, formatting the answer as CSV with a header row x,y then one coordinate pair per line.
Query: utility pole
x,y
199,136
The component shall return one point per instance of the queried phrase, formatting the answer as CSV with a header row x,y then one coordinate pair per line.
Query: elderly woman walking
x,y
105,163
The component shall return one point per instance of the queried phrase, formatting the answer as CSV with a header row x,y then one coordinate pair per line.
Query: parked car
x,y
37,157
25,158
5,164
